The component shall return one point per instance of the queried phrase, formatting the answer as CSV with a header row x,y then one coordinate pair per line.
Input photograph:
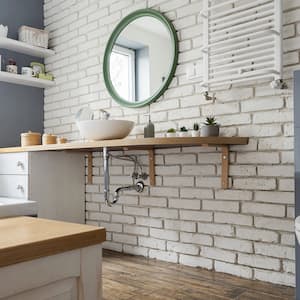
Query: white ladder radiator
x,y
242,41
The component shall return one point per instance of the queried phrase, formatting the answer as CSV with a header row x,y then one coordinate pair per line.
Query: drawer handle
x,y
20,164
20,188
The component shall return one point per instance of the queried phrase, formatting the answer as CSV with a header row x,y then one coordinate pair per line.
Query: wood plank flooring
x,y
127,277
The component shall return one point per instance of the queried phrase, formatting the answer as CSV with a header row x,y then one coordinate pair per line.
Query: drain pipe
x,y
138,187
106,176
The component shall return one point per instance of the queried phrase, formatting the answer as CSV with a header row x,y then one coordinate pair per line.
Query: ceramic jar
x,y
30,139
61,140
49,139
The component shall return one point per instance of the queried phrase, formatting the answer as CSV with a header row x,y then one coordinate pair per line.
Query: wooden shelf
x,y
21,47
25,80
135,144
149,144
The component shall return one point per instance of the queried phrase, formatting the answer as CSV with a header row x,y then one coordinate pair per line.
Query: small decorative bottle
x,y
149,130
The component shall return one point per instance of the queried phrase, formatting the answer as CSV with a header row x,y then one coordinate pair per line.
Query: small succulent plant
x,y
171,130
211,121
183,129
196,126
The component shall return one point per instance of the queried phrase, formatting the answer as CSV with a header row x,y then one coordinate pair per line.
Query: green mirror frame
x,y
115,34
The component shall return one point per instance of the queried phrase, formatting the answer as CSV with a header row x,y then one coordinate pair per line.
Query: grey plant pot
x,y
210,130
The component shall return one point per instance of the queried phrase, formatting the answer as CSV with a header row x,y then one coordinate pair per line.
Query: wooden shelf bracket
x,y
90,168
151,155
225,166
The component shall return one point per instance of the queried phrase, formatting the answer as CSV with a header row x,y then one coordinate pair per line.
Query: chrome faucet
x,y
104,115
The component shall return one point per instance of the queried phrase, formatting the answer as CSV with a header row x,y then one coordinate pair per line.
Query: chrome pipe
x,y
138,187
106,176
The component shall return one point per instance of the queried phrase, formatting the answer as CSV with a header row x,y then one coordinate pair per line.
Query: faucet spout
x,y
104,115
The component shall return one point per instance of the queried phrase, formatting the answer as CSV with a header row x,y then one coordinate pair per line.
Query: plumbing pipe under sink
x,y
138,187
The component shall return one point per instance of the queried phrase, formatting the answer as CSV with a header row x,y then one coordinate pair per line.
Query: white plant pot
x,y
195,133
183,133
171,134
210,130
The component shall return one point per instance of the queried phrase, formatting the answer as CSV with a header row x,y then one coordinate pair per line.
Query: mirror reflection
x,y
141,59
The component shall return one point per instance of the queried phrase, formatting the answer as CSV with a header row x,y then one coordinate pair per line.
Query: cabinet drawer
x,y
14,186
14,163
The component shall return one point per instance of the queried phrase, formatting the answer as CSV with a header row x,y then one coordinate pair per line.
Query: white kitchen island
x,y
43,259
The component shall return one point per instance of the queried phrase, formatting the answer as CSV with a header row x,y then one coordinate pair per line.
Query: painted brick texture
x,y
186,218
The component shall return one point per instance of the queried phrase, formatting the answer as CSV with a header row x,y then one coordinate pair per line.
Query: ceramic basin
x,y
10,207
104,129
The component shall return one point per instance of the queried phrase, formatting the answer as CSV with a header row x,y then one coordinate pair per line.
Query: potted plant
x,y
183,132
210,127
195,131
171,132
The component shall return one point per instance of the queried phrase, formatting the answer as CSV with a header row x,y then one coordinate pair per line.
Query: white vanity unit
x,y
54,180
49,260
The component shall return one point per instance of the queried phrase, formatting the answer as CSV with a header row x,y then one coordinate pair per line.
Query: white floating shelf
x,y
21,47
25,80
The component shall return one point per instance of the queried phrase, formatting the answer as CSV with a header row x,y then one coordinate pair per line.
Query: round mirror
x,y
140,58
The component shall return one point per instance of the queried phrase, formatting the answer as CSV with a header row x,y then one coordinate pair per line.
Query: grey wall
x,y
21,107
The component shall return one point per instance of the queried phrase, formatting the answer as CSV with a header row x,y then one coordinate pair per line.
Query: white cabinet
x,y
71,275
55,180
14,186
14,163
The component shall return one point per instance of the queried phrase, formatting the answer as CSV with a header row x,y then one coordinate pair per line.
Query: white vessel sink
x,y
104,129
10,207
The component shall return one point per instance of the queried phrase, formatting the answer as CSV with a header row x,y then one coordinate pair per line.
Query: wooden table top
x,y
25,238
134,143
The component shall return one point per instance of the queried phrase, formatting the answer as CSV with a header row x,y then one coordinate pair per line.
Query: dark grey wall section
x,y
297,169
21,107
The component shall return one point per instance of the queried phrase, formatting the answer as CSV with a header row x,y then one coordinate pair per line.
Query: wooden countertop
x,y
24,238
134,143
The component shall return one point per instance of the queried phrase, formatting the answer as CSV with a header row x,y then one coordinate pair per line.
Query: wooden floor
x,y
136,278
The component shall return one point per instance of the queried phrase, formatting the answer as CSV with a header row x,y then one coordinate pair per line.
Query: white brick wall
x,y
187,218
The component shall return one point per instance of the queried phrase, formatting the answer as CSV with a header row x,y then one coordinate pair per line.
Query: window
x,y
122,68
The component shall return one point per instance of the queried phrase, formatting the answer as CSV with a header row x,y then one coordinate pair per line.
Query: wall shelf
x,y
25,80
21,47
149,144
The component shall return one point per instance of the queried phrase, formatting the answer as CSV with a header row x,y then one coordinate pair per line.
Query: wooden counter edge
x,y
35,250
138,143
